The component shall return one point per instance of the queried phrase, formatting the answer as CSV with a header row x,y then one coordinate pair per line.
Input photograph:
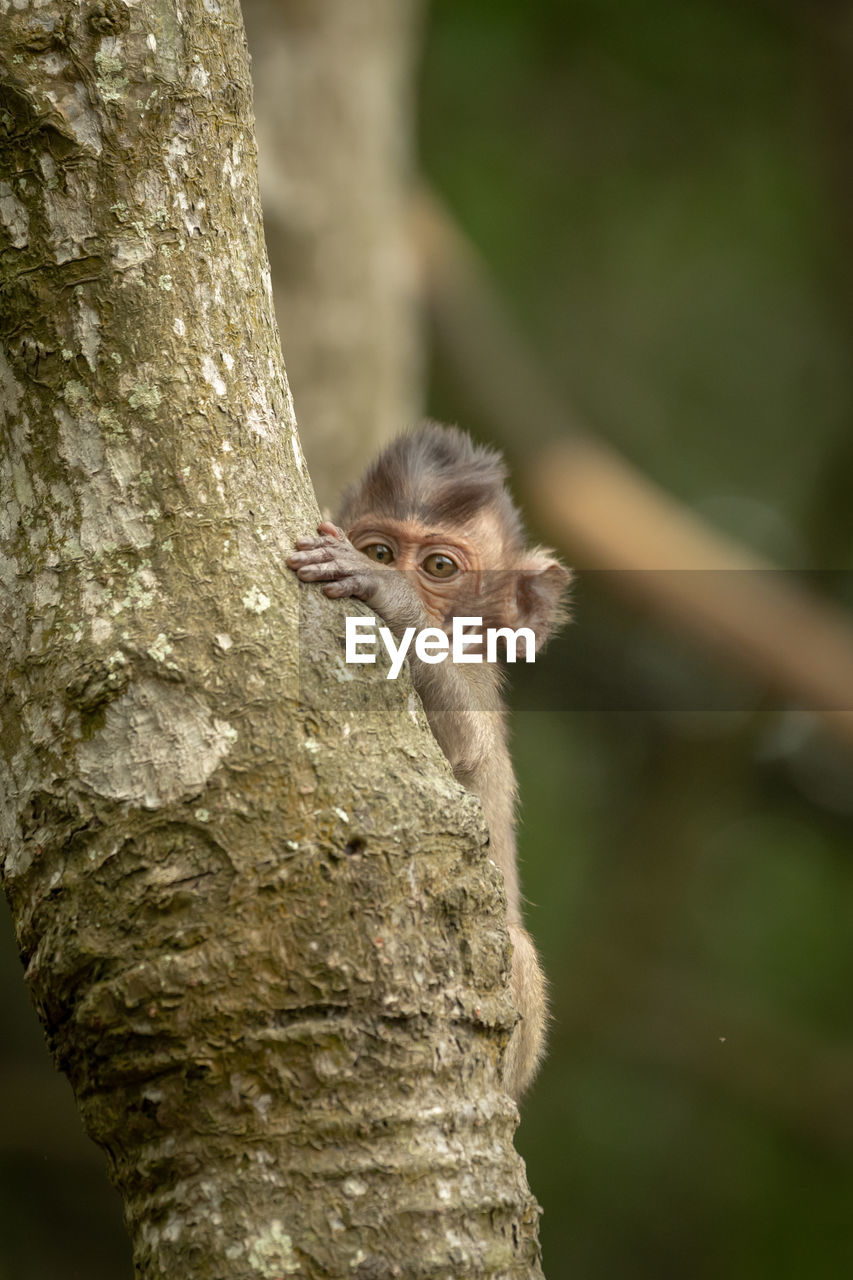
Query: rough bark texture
x,y
256,913
334,89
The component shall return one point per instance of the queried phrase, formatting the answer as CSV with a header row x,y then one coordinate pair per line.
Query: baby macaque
x,y
433,508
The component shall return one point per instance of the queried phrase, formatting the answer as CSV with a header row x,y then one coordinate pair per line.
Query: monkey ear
x,y
540,594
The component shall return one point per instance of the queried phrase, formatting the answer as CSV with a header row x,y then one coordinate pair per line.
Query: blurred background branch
x,y
601,513
335,90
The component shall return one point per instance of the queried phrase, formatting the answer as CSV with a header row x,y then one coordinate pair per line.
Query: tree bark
x,y
334,95
257,915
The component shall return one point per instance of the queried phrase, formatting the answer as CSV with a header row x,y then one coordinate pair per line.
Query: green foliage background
x,y
653,185
656,188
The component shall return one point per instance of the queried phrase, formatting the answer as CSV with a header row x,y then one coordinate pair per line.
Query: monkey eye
x,y
379,551
438,565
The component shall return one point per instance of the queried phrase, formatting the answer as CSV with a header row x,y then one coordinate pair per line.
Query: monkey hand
x,y
331,559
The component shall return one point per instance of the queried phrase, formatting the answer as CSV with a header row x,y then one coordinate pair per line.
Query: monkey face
x,y
436,561
456,570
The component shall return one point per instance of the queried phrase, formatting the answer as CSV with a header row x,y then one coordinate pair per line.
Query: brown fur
x,y
434,490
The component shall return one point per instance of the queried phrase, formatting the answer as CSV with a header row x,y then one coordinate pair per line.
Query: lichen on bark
x,y
256,914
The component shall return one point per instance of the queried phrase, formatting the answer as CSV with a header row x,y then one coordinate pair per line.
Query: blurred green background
x,y
654,185
660,190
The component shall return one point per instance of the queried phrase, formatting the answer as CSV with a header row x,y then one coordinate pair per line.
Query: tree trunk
x,y
257,915
334,97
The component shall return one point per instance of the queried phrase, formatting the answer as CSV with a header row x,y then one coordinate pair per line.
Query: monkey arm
x,y
462,704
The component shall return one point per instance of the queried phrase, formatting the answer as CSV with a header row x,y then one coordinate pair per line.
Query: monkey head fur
x,y
433,493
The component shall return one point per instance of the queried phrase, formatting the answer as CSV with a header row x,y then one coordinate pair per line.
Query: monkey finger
x,y
331,530
348,586
305,544
310,555
311,544
324,571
